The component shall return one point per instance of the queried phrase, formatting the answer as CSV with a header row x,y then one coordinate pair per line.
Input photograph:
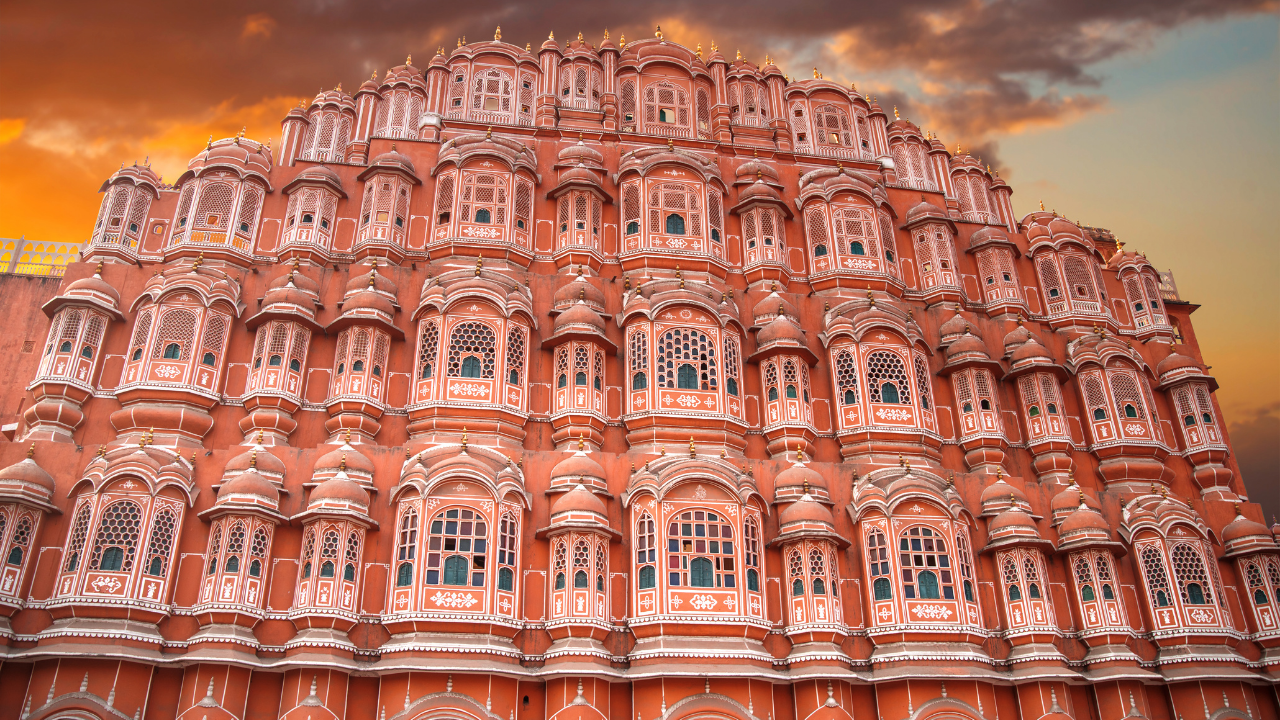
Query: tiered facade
x,y
615,381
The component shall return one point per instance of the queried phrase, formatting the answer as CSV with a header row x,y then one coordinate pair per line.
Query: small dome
x,y
1175,361
986,235
297,280
753,170
1017,336
580,152
1070,498
579,289
575,469
394,161
797,476
339,488
1013,519
579,499
1243,527
578,314
772,305
1084,520
780,330
368,300
93,285
759,190
289,295
1063,225
1030,350
955,326
344,455
28,472
926,210
998,495
805,510
258,459
968,345
249,483
381,283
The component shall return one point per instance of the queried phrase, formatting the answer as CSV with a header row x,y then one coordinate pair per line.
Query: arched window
x,y
258,551
700,551
751,553
1193,579
886,370
646,550
878,564
675,209
407,549
926,565
116,542
472,341
75,541
457,544
507,545
1156,580
682,351
515,354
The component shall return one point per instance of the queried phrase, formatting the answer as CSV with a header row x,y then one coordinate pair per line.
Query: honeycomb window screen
x,y
687,360
215,335
751,552
887,379
164,526
846,377
215,549
818,571
1157,580
351,558
771,381
832,126
700,551
472,347
922,382
508,545
731,364
1193,579
878,562
213,211
457,548
816,224
1050,280
1079,279
965,561
560,564
308,549
116,541
1124,387
855,231
428,346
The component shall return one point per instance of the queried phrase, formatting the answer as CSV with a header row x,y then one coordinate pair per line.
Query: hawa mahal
x,y
618,381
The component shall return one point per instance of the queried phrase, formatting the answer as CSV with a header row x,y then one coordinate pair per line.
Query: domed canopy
x,y
782,336
26,482
1243,536
338,497
925,211
92,291
578,500
344,459
1000,496
1085,527
1014,527
247,487
953,328
393,162
771,306
1067,500
799,480
578,290
578,469
258,459
805,514
317,176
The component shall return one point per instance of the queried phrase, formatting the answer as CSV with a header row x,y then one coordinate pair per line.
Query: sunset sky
x,y
1154,118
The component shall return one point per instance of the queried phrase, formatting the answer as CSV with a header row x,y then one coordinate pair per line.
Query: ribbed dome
x,y
968,344
956,325
27,471
1017,336
93,285
781,329
771,304
805,510
1013,519
579,499
258,459
249,483
578,290
289,295
368,300
578,314
298,280
394,161
576,467
1062,225
1069,499
339,488
797,475
1083,520
580,152
354,461
759,190
926,210
998,493
381,283
1243,527
1175,361
1030,350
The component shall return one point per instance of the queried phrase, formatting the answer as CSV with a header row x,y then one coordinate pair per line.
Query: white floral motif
x,y
703,602
700,493
168,371
688,401
481,232
106,584
1135,429
1201,616
731,602
933,612
893,414
453,599
676,602
473,389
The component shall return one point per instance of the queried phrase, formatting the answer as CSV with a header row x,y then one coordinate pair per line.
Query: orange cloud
x,y
10,129
259,25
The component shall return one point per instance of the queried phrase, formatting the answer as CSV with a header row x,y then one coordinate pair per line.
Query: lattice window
x,y
471,350
163,527
878,561
351,559
816,224
731,363
1049,279
444,198
491,91
427,349
184,208
507,543
771,381
704,114
258,548
213,212
215,333
922,382
484,199
215,549
885,369
631,208
639,351
965,559
646,541
832,126
176,327
1128,400
664,103
18,543
687,360
847,377
628,103
674,209
715,214
1193,579
1078,279
855,230
298,355
515,354
247,218
1094,396
700,551
457,548
926,565
1154,573
116,542
524,206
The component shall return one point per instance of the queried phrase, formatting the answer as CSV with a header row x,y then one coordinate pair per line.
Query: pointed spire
x,y
497,34
84,684
657,31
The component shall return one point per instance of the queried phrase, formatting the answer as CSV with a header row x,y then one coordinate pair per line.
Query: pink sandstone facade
x,y
619,381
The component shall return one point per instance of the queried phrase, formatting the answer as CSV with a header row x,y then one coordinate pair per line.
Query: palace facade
x,y
614,381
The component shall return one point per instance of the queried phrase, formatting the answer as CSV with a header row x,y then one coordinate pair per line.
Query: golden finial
x,y
488,135
895,113
739,55
253,459
902,462
657,31
606,33
698,51
1041,206
551,35
497,33
581,444
622,39
958,150
479,263
528,47
31,450
1012,499
799,454
464,438
459,42
347,440
1071,477
339,88
780,311
853,87
579,37
408,59
815,73
951,479
692,451
714,46
102,451
342,464
670,145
